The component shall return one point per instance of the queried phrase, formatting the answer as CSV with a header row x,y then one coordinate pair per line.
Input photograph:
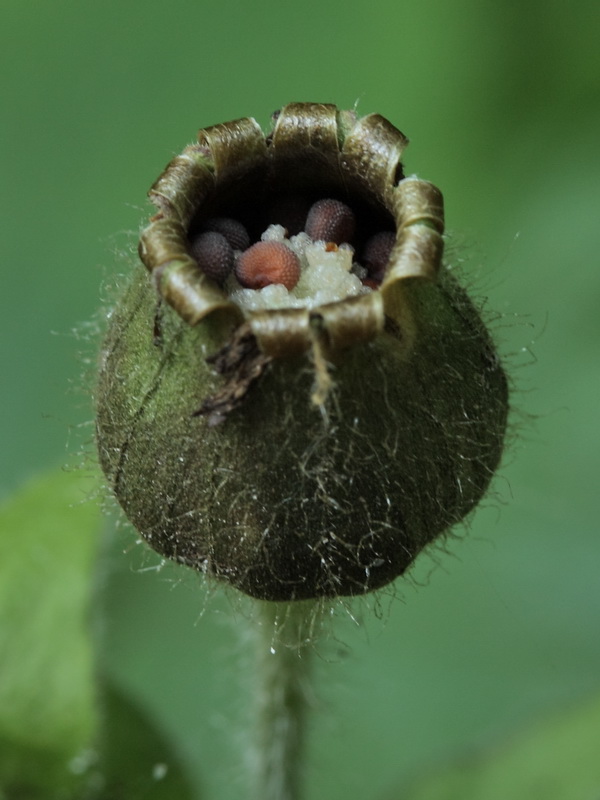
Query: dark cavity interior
x,y
254,195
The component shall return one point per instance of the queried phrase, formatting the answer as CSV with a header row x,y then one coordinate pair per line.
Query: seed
x,y
376,254
371,283
233,230
265,263
330,221
213,254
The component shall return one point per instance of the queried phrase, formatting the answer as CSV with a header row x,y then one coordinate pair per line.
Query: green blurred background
x,y
501,102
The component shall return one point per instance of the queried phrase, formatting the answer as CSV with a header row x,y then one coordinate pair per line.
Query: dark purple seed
x,y
235,233
213,254
330,221
376,254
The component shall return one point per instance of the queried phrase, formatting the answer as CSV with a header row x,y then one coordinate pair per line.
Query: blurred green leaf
x,y
557,759
135,760
63,736
47,542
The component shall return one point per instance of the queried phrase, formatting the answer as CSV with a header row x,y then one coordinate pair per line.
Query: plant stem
x,y
283,634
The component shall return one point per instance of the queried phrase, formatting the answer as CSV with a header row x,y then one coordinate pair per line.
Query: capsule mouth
x,y
313,151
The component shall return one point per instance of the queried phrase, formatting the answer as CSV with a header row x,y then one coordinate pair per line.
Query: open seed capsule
x,y
298,452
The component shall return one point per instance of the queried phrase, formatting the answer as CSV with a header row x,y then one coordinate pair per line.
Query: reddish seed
x,y
265,263
233,230
376,254
330,221
213,254
371,283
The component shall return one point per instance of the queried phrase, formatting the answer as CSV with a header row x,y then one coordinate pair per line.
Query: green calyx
x,y
287,498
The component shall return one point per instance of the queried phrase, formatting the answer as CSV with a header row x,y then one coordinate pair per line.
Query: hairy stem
x,y
284,642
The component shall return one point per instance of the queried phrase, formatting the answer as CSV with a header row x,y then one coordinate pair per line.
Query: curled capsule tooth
x,y
266,263
213,254
376,254
233,230
330,221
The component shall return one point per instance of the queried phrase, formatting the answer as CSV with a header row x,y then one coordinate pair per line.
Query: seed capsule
x,y
298,453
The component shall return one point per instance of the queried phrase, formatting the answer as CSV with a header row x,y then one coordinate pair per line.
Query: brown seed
x,y
371,283
376,254
330,221
233,230
213,254
265,263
